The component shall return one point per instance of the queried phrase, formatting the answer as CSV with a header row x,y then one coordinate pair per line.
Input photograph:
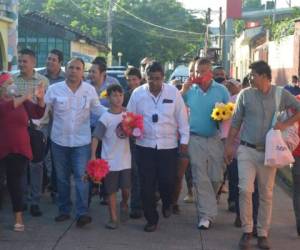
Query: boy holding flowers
x,y
116,151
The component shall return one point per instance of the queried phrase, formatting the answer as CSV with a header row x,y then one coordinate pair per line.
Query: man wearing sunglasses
x,y
165,117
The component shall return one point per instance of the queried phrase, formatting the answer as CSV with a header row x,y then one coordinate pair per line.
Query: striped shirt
x,y
25,84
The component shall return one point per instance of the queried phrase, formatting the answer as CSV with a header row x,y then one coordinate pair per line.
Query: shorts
x,y
116,180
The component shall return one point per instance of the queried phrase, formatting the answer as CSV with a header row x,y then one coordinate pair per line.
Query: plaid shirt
x,y
23,85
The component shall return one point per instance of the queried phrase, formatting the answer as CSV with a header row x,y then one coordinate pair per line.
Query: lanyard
x,y
155,100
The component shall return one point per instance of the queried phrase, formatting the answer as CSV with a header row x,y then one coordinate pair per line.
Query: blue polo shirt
x,y
201,105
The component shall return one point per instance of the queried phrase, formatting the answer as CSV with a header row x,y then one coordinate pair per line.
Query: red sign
x,y
234,9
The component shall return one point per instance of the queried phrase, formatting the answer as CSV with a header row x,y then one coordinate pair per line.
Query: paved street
x,y
177,233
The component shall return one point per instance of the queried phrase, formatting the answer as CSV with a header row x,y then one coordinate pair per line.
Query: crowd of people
x,y
80,118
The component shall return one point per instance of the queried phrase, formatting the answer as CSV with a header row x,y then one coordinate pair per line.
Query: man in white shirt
x,y
72,101
165,117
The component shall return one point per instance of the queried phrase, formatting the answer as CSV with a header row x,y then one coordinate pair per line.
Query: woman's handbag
x,y
38,142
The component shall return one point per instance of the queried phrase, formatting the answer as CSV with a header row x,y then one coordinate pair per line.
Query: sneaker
x,y
263,243
204,224
124,214
62,217
245,241
175,209
19,227
136,214
83,220
188,198
111,224
150,227
35,211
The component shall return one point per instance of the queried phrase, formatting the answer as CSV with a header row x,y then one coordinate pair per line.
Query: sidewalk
x,y
176,233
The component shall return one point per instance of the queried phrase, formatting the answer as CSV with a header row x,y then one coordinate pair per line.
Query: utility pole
x,y
220,27
109,39
207,32
274,12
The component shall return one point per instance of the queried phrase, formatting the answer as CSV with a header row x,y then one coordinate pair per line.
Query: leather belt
x,y
250,145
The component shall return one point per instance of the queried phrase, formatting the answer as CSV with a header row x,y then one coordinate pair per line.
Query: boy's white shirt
x,y
115,151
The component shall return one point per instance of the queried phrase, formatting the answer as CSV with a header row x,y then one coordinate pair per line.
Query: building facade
x,y
8,33
42,34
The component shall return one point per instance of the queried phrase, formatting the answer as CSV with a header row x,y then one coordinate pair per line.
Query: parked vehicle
x,y
119,73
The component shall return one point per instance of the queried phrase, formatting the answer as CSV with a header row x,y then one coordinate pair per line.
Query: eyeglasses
x,y
155,118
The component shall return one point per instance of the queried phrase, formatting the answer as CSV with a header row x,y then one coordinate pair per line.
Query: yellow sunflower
x,y
217,114
230,106
103,94
226,114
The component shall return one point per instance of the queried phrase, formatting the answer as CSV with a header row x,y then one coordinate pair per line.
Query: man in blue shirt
x,y
293,88
205,146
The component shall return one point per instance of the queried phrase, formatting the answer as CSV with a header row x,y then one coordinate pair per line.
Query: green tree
x,y
282,28
132,36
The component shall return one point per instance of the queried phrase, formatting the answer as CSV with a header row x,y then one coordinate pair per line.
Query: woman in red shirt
x,y
15,149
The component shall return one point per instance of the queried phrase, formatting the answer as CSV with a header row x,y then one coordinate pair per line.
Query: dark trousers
x,y
233,180
189,177
296,189
156,166
15,166
135,196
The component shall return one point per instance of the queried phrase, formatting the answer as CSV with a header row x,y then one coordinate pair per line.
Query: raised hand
x,y
39,91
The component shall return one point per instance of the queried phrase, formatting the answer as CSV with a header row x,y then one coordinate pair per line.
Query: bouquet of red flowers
x,y
96,170
133,124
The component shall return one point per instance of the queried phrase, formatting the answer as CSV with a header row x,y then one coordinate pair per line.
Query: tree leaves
x,y
131,36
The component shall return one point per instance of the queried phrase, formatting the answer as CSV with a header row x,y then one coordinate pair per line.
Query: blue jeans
x,y
70,160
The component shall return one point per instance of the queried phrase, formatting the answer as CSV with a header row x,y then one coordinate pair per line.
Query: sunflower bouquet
x,y
222,112
103,94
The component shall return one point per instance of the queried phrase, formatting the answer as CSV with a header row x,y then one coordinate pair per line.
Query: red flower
x,y
133,124
97,169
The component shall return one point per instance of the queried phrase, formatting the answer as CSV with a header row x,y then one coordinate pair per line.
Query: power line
x,y
152,24
157,26
155,34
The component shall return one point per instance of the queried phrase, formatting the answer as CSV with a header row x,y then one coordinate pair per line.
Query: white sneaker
x,y
188,199
204,224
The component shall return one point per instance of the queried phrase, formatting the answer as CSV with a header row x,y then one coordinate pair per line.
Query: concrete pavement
x,y
179,232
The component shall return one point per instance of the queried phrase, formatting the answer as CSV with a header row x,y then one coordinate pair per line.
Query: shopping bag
x,y
290,134
277,153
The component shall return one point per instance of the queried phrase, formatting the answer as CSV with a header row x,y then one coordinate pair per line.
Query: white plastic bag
x,y
277,153
290,134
